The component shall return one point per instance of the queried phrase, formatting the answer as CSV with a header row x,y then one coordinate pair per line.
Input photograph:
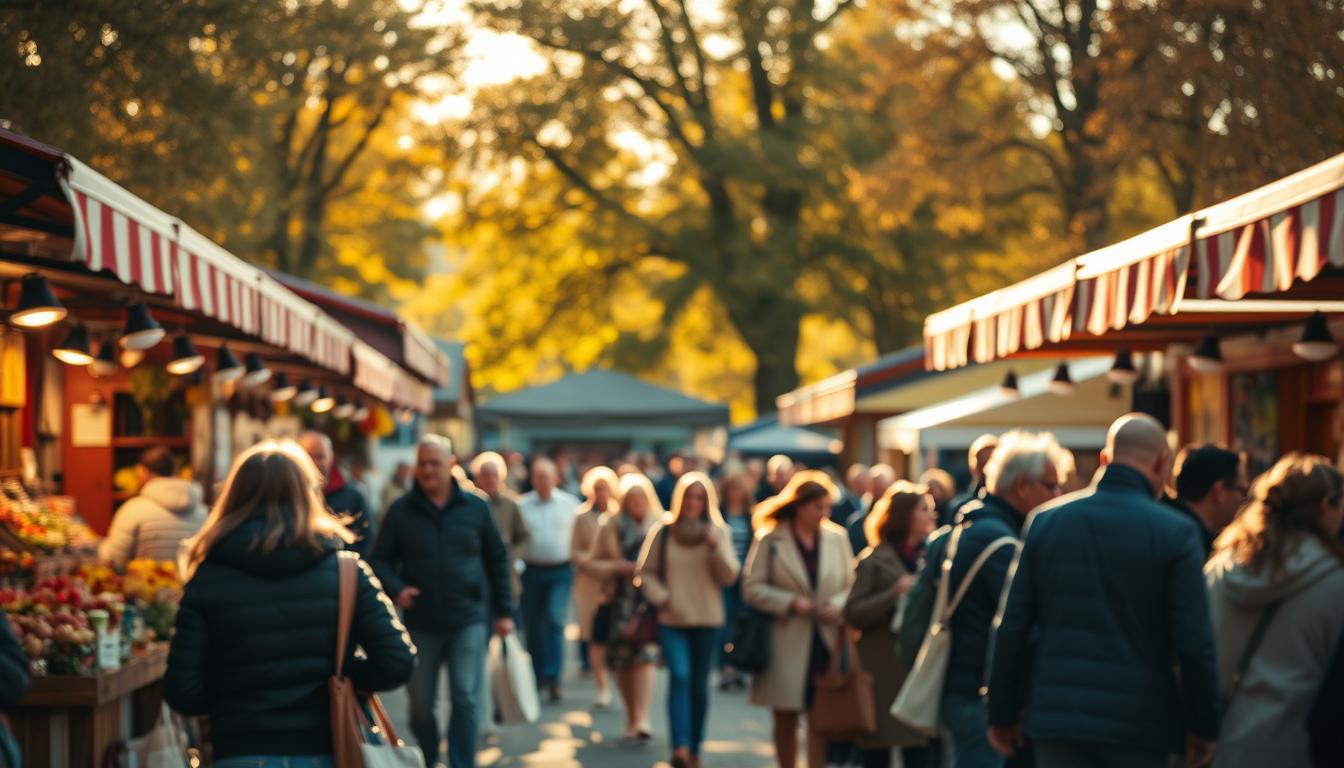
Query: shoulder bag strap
x,y
979,563
1252,645
662,555
347,565
940,609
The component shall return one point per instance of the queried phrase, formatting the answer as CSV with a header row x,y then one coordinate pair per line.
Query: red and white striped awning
x,y
1264,240
1126,283
118,232
998,324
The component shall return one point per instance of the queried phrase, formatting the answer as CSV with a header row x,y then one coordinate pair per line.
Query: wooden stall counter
x,y
68,720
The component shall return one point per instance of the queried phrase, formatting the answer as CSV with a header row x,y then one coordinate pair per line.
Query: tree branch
x,y
600,198
343,166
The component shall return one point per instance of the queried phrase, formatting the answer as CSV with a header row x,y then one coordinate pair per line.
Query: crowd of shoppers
x,y
1170,607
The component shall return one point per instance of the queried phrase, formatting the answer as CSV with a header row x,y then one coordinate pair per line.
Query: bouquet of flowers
x,y
156,590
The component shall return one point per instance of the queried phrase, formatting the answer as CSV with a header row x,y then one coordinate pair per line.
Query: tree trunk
x,y
770,327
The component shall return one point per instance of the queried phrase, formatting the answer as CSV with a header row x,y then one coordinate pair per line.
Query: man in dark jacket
x,y
342,498
440,554
977,459
1104,653
1021,476
1211,486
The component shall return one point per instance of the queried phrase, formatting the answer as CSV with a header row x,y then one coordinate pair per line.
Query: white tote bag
x,y
165,746
918,701
512,682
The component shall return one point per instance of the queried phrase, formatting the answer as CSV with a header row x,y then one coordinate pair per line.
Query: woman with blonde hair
x,y
799,572
257,623
1276,585
599,491
896,528
620,538
686,562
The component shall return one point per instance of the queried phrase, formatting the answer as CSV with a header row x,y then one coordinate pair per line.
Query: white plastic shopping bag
x,y
165,746
512,682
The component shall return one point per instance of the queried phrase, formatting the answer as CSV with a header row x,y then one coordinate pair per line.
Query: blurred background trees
x,y
731,196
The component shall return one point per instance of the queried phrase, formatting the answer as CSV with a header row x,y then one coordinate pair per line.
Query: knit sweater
x,y
688,589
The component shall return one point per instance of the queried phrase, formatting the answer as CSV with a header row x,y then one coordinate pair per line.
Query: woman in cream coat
x,y
591,588
799,571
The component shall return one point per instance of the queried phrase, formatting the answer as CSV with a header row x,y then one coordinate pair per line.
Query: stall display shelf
x,y
147,441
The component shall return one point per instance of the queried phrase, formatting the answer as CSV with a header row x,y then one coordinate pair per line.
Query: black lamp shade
x,y
105,364
1123,370
361,411
185,360
257,372
1208,356
38,306
282,390
74,350
1317,343
142,331
1009,386
306,395
1062,383
227,367
324,401
343,408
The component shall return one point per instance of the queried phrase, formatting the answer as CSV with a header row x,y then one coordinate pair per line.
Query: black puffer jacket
x,y
256,642
453,555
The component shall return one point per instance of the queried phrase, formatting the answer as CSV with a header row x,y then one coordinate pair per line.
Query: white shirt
x,y
550,522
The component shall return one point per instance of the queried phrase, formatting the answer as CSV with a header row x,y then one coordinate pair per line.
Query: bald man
x,y
548,577
342,498
1107,623
977,458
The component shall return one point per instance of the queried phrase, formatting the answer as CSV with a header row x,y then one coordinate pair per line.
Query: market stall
x,y
122,328
1231,311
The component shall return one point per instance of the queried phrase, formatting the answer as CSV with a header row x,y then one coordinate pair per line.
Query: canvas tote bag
x,y
917,703
360,738
513,685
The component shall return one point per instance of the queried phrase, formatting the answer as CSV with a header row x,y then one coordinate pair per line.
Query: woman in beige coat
x,y
896,528
799,572
591,589
1280,559
687,561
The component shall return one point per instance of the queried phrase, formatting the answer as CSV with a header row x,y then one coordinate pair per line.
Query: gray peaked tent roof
x,y
601,396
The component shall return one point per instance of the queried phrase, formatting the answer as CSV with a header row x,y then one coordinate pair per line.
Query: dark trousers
x,y
911,757
1083,754
546,591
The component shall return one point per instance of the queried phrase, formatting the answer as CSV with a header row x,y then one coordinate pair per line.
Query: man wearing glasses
x,y
1020,476
1211,486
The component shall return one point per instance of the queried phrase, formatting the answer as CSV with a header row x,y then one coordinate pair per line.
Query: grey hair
x,y
490,459
437,441
1020,454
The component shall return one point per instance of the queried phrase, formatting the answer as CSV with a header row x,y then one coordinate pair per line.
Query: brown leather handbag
x,y
843,707
362,735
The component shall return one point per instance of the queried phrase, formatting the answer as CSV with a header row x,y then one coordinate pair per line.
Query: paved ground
x,y
573,734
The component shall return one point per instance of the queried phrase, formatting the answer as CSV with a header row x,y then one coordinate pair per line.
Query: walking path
x,y
571,733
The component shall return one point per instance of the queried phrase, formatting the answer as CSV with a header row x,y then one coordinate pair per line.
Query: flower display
x,y
51,622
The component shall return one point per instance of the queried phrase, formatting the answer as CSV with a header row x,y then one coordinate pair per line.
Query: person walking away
x,y
154,523
492,475
854,495
977,458
13,685
1020,476
1107,596
599,488
252,649
880,478
798,571
897,526
548,576
1276,585
1210,486
440,554
620,539
941,487
735,496
343,499
686,563
678,464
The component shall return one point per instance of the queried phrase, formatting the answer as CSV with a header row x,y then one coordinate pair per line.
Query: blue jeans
x,y
732,603
463,651
545,607
276,761
689,653
967,721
